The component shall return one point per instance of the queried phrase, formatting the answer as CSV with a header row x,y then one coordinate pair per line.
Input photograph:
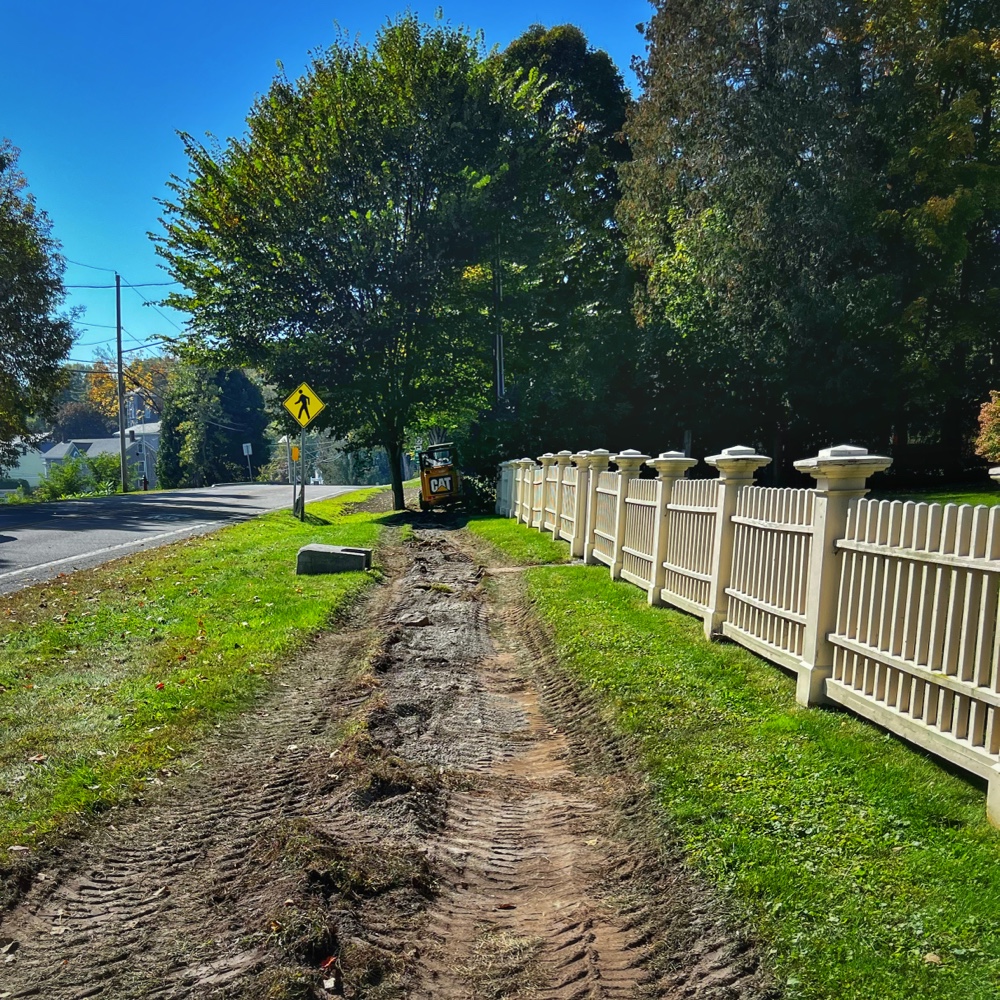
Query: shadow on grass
x,y
436,520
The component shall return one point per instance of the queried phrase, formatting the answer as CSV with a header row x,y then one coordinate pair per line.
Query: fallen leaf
x,y
39,758
506,906
328,963
58,930
931,959
159,686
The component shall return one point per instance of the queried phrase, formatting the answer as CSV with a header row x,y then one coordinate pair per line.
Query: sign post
x,y
305,406
248,451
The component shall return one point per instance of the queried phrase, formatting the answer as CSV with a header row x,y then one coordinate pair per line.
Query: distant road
x,y
40,541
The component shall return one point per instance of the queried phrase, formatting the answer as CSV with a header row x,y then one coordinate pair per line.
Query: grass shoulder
x,y
513,543
865,866
108,674
975,494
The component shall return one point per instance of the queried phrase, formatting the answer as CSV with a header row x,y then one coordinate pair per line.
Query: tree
x,y
329,240
560,262
34,338
144,375
208,415
80,420
813,205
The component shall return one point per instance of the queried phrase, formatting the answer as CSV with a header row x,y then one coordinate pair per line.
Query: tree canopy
x,y
34,336
208,415
814,204
327,242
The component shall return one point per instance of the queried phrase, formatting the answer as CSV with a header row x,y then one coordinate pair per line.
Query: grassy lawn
x,y
109,674
973,494
868,871
516,543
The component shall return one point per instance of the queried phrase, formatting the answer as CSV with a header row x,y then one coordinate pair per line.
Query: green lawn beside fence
x,y
108,674
865,867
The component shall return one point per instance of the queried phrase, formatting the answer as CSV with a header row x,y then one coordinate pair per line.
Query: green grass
x,y
851,855
519,544
109,674
987,495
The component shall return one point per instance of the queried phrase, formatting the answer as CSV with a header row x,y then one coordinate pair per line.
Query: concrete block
x,y
313,559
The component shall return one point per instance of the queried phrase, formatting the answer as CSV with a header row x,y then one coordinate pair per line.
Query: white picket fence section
x,y
889,609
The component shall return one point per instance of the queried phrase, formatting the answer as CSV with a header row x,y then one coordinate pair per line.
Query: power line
x,y
93,267
135,288
141,284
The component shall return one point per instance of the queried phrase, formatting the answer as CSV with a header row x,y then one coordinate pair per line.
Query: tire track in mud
x,y
451,822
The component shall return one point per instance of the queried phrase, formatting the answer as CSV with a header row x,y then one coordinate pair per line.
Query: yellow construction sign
x,y
304,405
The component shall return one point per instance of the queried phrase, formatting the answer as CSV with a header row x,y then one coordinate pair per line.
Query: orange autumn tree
x,y
147,376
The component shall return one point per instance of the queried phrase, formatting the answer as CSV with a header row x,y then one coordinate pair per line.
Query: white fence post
x,y
628,463
736,467
547,461
596,462
563,458
670,466
580,495
505,488
840,475
526,489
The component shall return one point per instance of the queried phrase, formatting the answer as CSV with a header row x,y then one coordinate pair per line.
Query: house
x,y
31,464
140,453
56,454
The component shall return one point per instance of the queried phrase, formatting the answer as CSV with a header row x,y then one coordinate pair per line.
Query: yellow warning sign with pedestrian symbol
x,y
304,405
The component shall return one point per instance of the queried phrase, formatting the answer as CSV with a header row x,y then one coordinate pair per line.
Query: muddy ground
x,y
425,807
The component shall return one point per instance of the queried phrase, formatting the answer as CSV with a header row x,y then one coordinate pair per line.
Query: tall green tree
x,y
326,243
34,336
559,285
813,204
208,415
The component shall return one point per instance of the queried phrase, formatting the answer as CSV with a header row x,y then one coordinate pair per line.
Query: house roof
x,y
109,446
64,450
150,427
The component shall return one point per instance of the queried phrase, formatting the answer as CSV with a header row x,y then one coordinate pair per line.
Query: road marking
x,y
99,552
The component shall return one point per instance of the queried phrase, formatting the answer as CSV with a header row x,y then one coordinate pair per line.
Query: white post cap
x,y
629,460
995,473
672,464
738,462
597,458
564,457
843,467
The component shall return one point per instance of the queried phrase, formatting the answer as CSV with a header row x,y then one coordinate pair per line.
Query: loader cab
x,y
440,480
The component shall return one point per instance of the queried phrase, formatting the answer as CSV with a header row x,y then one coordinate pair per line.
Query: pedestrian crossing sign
x,y
304,405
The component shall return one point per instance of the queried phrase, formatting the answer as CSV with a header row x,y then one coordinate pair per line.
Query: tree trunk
x,y
395,452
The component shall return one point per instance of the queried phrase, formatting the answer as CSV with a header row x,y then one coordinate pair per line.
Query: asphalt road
x,y
40,541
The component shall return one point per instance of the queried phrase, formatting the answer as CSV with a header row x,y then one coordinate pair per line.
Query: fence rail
x,y
889,609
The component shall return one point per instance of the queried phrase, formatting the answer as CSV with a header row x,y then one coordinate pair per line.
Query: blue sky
x,y
93,95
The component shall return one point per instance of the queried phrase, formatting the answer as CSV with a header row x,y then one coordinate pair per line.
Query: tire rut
x,y
426,806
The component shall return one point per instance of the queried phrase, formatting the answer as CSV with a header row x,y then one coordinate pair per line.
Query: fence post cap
x,y
629,460
525,461
672,464
563,458
594,459
547,456
737,462
843,467
994,473
579,456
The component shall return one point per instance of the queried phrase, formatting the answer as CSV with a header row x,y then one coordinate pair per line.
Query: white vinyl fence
x,y
889,609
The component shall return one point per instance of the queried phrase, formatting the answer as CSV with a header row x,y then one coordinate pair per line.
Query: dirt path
x,y
424,808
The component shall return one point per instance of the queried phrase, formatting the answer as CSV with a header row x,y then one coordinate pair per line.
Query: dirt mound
x,y
425,807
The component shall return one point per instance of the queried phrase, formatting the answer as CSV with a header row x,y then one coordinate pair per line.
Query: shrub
x,y
988,442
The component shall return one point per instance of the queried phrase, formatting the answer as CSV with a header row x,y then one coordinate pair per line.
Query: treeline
x,y
788,240
812,209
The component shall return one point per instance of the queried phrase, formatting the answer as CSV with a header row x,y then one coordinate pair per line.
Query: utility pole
x,y
121,381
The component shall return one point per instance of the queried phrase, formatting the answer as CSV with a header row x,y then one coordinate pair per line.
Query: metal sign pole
x,y
302,458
